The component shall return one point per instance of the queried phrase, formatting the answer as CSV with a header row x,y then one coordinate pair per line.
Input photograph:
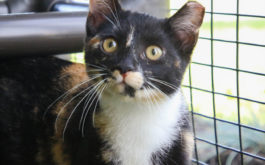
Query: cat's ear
x,y
185,25
101,11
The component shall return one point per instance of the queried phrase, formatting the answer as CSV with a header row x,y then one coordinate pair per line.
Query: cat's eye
x,y
153,52
109,45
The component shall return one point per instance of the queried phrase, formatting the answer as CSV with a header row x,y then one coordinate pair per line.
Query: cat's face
x,y
136,55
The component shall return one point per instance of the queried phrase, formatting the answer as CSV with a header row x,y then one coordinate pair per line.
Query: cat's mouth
x,y
129,91
124,89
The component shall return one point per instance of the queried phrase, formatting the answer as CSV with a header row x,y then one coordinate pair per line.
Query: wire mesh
x,y
240,154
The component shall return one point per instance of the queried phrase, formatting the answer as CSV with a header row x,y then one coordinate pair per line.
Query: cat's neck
x,y
136,130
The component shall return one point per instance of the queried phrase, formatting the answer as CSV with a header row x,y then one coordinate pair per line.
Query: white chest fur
x,y
135,130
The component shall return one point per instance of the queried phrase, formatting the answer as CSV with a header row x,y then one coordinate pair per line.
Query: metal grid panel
x,y
215,142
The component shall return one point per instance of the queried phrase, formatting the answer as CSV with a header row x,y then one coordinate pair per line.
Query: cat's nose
x,y
124,75
123,68
120,78
126,65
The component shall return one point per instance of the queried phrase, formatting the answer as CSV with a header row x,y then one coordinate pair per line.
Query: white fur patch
x,y
116,74
134,130
130,37
134,79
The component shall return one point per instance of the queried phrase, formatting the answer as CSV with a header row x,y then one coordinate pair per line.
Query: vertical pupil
x,y
154,51
111,44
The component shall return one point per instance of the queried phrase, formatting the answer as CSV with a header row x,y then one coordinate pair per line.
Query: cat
x,y
124,106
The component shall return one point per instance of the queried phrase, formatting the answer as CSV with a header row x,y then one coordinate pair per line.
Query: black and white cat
x,y
123,107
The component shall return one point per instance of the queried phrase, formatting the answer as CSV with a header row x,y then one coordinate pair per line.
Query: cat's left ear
x,y
185,25
101,11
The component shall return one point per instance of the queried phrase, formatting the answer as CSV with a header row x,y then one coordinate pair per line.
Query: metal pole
x,y
3,8
63,6
41,33
22,6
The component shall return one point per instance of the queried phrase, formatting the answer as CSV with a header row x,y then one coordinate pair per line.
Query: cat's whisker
x,y
60,97
95,70
91,103
73,111
147,97
99,96
69,91
151,94
96,66
95,108
71,114
76,72
61,110
155,77
91,94
156,88
115,17
103,66
87,99
151,90
164,83
154,101
110,20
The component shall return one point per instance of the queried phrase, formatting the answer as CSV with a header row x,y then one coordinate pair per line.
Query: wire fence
x,y
222,152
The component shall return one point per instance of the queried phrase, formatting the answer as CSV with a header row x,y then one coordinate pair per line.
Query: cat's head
x,y
136,55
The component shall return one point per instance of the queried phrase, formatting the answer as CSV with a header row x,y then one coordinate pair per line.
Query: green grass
x,y
254,24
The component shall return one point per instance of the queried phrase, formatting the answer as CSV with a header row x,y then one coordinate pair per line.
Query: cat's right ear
x,y
185,25
101,11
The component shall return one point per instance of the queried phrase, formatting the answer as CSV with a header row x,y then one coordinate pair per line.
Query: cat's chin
x,y
121,90
127,94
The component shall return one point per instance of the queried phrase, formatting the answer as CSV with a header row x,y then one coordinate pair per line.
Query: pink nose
x,y
124,76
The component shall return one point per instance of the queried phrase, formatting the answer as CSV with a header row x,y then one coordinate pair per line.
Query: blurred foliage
x,y
254,24
78,58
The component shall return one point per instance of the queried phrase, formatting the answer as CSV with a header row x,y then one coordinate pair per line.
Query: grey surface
x,y
3,8
158,8
41,34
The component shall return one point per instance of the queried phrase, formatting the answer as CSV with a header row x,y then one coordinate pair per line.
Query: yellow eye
x,y
110,45
154,52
